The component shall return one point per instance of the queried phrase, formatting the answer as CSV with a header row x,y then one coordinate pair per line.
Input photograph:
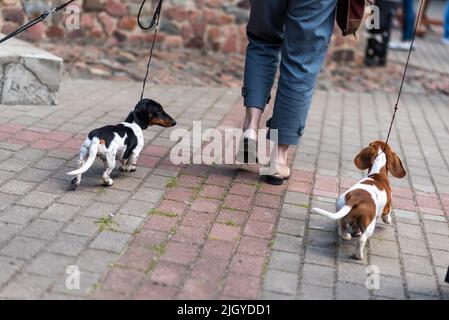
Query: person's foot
x,y
247,152
282,173
401,45
445,41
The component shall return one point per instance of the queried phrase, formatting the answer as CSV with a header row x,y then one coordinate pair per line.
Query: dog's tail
x,y
343,212
93,150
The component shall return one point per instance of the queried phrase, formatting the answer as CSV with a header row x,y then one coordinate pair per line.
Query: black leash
x,y
396,107
37,20
153,25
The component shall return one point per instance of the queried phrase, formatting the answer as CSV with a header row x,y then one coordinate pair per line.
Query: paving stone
x,y
297,198
110,241
122,280
137,208
34,175
78,198
137,258
29,154
242,286
387,266
49,163
437,241
38,199
49,265
409,231
26,286
321,238
287,243
95,261
352,272
6,200
384,248
351,291
318,275
320,255
60,212
9,266
436,227
111,196
421,284
127,224
19,215
148,195
23,248
15,165
416,264
390,287
440,258
82,226
7,231
268,295
99,210
5,175
17,187
291,227
56,186
43,229
157,181
292,211
67,244
312,292
88,281
281,282
284,261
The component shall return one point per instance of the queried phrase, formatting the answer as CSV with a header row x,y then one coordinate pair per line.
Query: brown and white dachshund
x,y
369,198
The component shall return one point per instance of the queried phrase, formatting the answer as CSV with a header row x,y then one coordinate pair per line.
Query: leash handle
x,y
155,21
153,25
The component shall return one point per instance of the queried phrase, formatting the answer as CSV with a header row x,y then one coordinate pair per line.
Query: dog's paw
x,y
357,256
346,236
386,219
108,183
128,168
74,184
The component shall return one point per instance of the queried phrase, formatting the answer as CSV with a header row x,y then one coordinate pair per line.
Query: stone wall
x,y
217,25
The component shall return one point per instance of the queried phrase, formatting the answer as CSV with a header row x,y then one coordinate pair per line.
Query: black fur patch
x,y
107,134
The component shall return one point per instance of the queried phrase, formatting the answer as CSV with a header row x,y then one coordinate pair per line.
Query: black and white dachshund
x,y
123,142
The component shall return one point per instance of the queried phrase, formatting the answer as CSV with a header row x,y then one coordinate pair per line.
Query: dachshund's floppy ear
x,y
364,159
141,114
394,164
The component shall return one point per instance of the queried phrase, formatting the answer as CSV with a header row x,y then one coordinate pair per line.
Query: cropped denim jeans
x,y
293,36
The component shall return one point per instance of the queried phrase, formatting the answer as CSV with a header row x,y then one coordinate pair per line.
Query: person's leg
x,y
409,20
265,31
308,29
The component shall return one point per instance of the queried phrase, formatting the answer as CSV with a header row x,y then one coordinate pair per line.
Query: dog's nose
x,y
174,122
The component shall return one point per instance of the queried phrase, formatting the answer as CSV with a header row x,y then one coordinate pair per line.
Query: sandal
x,y
281,175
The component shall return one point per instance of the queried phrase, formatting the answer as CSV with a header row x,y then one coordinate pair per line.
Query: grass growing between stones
x,y
172,182
157,212
106,224
230,223
302,205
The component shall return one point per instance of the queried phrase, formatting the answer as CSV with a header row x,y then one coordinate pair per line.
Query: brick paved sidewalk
x,y
216,232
